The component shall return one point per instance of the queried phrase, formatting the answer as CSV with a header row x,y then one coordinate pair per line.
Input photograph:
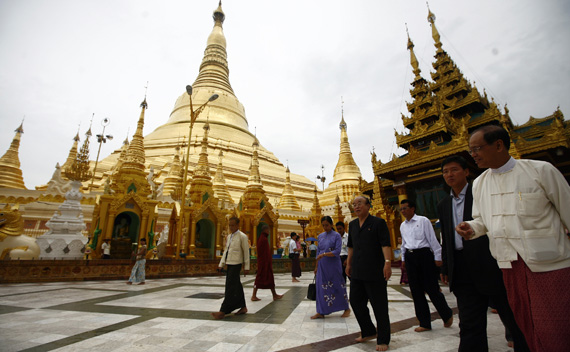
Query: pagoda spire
x,y
434,31
346,166
72,153
10,172
220,188
79,168
173,181
254,179
131,175
202,180
135,152
413,59
214,70
288,200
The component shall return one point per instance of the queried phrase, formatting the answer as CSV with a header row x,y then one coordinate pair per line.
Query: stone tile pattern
x,y
111,316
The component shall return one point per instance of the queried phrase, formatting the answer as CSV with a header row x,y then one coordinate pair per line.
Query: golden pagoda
x,y
127,212
288,200
315,228
229,130
346,177
220,188
72,153
443,113
254,209
174,180
200,231
10,172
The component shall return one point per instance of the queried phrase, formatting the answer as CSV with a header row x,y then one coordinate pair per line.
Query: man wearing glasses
x,y
524,207
368,266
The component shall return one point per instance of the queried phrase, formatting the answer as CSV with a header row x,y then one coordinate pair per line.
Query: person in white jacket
x,y
235,255
524,208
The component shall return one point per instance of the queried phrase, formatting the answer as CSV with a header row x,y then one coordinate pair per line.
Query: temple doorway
x,y
205,239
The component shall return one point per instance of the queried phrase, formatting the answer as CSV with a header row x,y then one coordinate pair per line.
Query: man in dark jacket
x,y
472,273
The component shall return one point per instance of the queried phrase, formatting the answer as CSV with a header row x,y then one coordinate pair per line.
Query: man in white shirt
x,y
235,255
421,253
344,249
106,247
294,253
524,207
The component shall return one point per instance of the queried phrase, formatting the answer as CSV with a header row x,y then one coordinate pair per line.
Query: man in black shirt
x,y
369,268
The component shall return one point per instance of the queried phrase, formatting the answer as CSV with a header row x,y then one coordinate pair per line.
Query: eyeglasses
x,y
474,150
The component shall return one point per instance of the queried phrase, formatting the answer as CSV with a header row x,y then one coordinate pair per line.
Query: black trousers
x,y
421,269
374,291
234,297
342,260
473,303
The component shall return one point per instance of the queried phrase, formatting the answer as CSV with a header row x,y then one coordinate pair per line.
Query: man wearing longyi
x,y
524,208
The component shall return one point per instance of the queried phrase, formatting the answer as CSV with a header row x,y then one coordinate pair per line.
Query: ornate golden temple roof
x,y
346,177
288,200
10,172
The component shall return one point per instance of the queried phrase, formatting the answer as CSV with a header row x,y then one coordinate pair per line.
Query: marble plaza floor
x,y
174,315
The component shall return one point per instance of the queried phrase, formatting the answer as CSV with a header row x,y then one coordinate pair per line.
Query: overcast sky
x,y
290,63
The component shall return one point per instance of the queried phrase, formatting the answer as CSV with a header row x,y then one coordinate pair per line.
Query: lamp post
x,y
193,117
303,223
322,178
101,138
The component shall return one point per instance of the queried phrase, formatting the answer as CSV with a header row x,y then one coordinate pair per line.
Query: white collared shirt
x,y
418,233
458,205
344,248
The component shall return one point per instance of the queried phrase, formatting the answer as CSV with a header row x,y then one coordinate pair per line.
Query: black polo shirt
x,y
366,243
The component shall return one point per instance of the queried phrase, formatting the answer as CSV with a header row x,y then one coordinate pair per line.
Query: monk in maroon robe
x,y
264,278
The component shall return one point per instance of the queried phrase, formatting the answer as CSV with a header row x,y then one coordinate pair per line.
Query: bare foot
x,y
255,299
276,297
511,343
346,314
494,311
218,315
382,347
449,322
317,316
129,283
241,311
421,329
364,339
141,283
295,280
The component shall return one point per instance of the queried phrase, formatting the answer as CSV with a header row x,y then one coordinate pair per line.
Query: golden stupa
x,y
228,134
346,177
10,172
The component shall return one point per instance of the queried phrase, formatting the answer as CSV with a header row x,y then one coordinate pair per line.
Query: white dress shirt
x,y
458,204
292,246
418,233
344,248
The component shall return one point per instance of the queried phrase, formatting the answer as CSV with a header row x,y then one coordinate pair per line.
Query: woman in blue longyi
x,y
331,288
